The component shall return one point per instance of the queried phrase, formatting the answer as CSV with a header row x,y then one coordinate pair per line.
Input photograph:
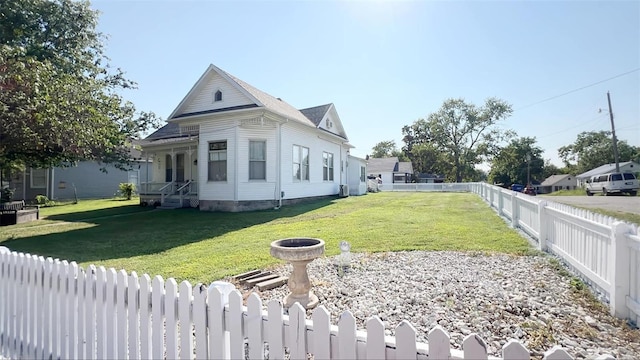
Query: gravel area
x,y
497,296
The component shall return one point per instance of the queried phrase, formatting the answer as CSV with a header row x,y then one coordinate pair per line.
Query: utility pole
x,y
613,133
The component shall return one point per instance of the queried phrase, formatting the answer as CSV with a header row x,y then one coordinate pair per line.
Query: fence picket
x,y
121,314
133,306
4,281
101,313
32,312
47,308
171,317
557,353
275,330
236,337
216,342
347,336
254,327
474,347
20,313
405,341
55,310
90,312
186,328
321,333
80,324
439,347
110,299
157,309
145,316
297,332
200,320
72,310
513,350
376,346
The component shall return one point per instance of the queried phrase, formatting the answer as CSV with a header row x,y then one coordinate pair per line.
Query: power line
x,y
578,89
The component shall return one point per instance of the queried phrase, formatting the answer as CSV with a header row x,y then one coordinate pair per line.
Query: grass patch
x,y
574,192
188,244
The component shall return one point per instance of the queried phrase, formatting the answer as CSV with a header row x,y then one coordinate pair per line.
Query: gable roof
x,y
405,167
554,179
607,168
258,97
316,113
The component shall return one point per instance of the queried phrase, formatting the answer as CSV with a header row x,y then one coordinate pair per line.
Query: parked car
x,y
529,190
517,187
613,183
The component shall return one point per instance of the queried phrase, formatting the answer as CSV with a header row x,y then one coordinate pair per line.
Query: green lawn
x,y
188,244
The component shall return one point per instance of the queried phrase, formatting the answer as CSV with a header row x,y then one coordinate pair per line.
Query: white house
x,y
390,170
231,147
557,182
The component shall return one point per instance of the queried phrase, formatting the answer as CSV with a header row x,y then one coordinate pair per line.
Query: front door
x,y
180,168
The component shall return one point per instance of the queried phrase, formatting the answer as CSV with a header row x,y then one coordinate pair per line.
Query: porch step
x,y
273,283
170,203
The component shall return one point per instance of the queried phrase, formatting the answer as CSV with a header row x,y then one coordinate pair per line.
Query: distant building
x,y
556,183
627,166
390,170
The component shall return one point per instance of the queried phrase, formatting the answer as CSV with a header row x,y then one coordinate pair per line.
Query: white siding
x,y
202,98
257,189
356,187
216,131
293,134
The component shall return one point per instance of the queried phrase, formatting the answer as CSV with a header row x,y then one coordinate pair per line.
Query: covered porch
x,y
173,180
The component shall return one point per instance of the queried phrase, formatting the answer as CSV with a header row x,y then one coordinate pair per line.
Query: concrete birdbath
x,y
299,252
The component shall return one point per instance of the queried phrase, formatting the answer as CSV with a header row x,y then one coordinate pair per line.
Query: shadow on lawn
x,y
130,233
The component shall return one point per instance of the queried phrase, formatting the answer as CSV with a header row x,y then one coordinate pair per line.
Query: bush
x,y
42,200
7,194
127,190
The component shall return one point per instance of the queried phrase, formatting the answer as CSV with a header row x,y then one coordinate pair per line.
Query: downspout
x,y
52,183
278,193
24,183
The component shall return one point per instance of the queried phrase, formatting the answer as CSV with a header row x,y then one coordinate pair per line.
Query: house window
x,y
300,163
218,96
218,161
257,160
168,169
38,178
327,166
363,174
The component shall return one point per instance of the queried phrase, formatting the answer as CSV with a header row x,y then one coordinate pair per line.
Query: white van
x,y
613,183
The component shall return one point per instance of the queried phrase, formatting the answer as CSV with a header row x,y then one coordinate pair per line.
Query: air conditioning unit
x,y
344,190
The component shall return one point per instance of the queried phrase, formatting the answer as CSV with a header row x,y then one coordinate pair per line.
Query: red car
x,y
530,190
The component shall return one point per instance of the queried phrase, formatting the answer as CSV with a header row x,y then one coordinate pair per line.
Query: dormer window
x,y
218,96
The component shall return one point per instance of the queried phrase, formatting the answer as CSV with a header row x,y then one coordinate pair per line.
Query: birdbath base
x,y
299,252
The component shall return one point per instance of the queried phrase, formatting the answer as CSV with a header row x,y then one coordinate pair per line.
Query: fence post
x,y
514,210
542,226
619,270
500,202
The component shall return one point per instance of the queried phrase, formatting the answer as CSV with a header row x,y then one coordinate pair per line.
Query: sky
x,y
386,64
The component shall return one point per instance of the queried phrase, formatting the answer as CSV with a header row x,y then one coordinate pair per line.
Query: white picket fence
x,y
51,309
604,251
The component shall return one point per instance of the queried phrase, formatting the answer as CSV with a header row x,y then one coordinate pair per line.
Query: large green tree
x,y
518,162
60,100
595,148
387,149
459,135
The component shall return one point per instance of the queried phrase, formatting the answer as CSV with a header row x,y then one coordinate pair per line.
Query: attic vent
x,y
329,124
217,96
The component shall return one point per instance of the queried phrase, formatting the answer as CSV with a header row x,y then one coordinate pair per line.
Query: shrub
x,y
127,190
42,200
7,194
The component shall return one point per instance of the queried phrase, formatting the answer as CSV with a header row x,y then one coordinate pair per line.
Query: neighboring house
x,y
627,166
84,180
431,178
390,170
357,175
556,183
228,146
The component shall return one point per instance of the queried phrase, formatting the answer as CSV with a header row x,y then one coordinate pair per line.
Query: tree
x,y
60,101
518,162
464,135
595,148
388,149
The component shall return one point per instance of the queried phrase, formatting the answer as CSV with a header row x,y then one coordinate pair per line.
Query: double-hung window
x,y
363,174
38,178
257,160
218,161
300,163
327,166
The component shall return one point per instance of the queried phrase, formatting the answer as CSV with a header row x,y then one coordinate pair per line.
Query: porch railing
x,y
188,188
151,188
166,190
